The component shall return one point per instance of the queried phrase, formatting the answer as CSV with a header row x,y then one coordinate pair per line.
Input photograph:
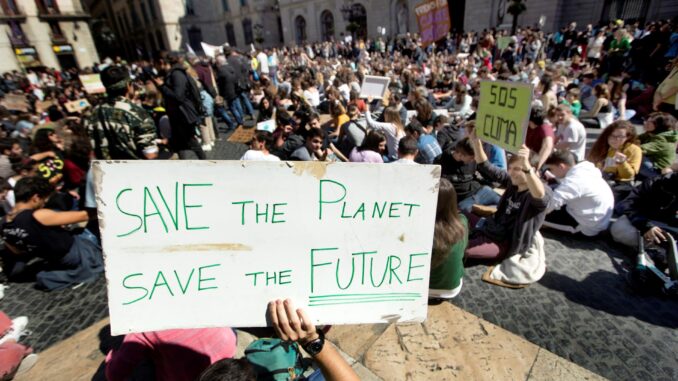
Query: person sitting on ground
x,y
601,115
372,150
447,132
428,146
10,152
459,167
407,151
449,242
539,136
352,133
392,127
287,136
587,198
617,154
651,209
658,144
572,100
520,213
312,149
570,134
496,154
31,231
290,324
176,354
260,147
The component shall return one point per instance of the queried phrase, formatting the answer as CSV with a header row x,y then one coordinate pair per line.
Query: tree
x,y
516,8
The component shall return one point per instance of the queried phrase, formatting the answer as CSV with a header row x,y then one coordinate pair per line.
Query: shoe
x,y
17,330
206,147
27,363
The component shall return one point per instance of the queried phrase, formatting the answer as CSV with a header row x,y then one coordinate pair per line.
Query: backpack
x,y
275,360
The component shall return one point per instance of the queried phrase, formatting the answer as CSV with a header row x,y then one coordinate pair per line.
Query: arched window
x,y
230,34
402,17
327,25
247,31
300,29
358,21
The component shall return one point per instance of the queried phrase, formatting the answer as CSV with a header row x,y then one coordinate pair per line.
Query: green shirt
x,y
447,275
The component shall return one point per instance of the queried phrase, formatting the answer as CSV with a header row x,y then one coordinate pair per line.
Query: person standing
x,y
184,107
241,67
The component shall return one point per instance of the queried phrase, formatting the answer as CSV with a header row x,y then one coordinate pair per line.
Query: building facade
x,y
141,28
47,33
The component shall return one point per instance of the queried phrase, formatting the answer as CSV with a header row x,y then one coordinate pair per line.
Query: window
x,y
55,31
151,9
300,29
133,12
280,30
190,9
230,34
144,13
625,9
17,37
247,31
327,25
243,3
195,38
9,7
161,40
224,5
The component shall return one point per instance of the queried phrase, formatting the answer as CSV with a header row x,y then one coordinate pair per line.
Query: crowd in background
x,y
620,78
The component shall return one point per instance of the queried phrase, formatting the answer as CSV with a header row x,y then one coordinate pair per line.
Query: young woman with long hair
x,y
450,238
392,127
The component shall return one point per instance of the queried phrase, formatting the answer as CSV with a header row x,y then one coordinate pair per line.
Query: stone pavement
x,y
581,310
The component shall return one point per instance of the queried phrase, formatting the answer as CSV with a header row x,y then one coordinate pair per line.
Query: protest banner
x,y
504,113
92,83
15,102
77,106
183,248
433,19
210,50
374,87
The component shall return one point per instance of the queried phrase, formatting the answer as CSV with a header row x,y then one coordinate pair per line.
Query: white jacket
x,y
587,197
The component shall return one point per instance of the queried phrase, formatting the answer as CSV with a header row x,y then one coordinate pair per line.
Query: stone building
x,y
141,28
45,33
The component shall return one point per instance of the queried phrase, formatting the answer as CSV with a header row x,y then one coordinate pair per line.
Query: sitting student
x,y
511,235
407,151
260,148
449,242
30,231
291,324
372,149
617,154
447,132
428,146
177,354
312,149
658,144
352,133
587,198
539,137
288,136
651,209
571,134
601,115
392,128
459,167
10,152
572,100
496,155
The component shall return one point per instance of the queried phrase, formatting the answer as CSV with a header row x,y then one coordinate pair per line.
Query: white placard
x,y
210,50
374,86
410,114
267,125
185,248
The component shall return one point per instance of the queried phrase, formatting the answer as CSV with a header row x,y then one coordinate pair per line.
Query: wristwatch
x,y
314,347
528,171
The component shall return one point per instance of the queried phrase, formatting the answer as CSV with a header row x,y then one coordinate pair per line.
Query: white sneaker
x,y
27,363
17,330
206,147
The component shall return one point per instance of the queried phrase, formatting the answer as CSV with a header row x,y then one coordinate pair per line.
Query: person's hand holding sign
x,y
524,154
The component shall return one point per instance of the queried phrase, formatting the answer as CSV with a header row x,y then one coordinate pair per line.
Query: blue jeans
x,y
483,196
248,109
647,170
236,110
221,111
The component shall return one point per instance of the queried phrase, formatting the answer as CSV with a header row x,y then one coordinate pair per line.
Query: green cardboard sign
x,y
504,113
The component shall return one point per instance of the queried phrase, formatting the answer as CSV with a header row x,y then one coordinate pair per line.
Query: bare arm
x,y
49,217
545,151
534,184
594,111
296,325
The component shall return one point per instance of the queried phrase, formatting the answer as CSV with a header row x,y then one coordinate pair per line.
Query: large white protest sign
x,y
374,86
205,244
210,50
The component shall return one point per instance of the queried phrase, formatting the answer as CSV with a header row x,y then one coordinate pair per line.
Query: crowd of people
x,y
492,204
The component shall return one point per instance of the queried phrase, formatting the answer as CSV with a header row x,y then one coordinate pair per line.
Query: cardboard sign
x,y
242,135
15,102
433,19
504,113
267,125
200,244
77,106
43,106
374,86
92,83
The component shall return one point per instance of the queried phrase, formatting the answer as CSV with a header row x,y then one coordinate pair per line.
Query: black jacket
x,y
183,105
461,175
227,82
655,199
